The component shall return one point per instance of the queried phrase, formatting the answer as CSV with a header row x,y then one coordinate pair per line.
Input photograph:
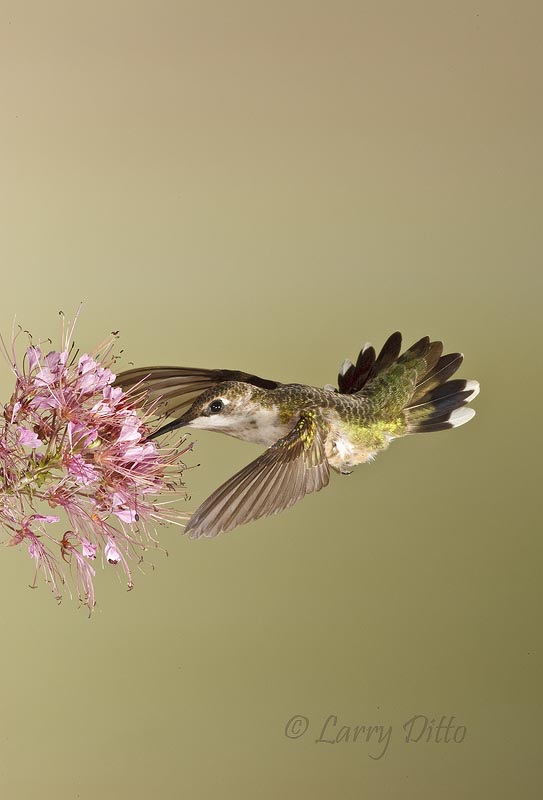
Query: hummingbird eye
x,y
215,407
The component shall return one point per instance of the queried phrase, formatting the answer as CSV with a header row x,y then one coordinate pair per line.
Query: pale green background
x,y
265,186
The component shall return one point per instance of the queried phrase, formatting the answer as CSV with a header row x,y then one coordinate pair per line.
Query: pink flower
x,y
54,364
112,554
49,518
130,431
93,377
95,464
34,357
81,434
82,471
15,411
88,549
28,438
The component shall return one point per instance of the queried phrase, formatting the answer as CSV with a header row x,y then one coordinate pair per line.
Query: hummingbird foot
x,y
341,470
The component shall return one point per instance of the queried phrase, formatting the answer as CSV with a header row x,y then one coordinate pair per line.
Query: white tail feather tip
x,y
460,416
474,388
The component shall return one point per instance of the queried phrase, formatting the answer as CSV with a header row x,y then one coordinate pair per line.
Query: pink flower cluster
x,y
72,442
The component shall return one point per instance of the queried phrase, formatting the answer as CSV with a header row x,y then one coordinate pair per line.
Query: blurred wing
x,y
174,389
291,468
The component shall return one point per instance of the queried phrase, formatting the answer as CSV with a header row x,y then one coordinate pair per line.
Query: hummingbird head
x,y
227,407
223,408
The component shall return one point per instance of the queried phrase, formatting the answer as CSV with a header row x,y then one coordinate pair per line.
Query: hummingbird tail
x,y
439,404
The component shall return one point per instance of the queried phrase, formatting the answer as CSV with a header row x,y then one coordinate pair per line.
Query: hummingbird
x,y
308,431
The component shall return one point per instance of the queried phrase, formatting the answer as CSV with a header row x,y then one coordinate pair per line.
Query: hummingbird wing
x,y
174,389
294,466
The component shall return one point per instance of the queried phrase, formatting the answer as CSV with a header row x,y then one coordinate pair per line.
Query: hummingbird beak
x,y
181,422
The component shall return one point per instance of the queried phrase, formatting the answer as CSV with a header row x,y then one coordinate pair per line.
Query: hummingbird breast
x,y
265,426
